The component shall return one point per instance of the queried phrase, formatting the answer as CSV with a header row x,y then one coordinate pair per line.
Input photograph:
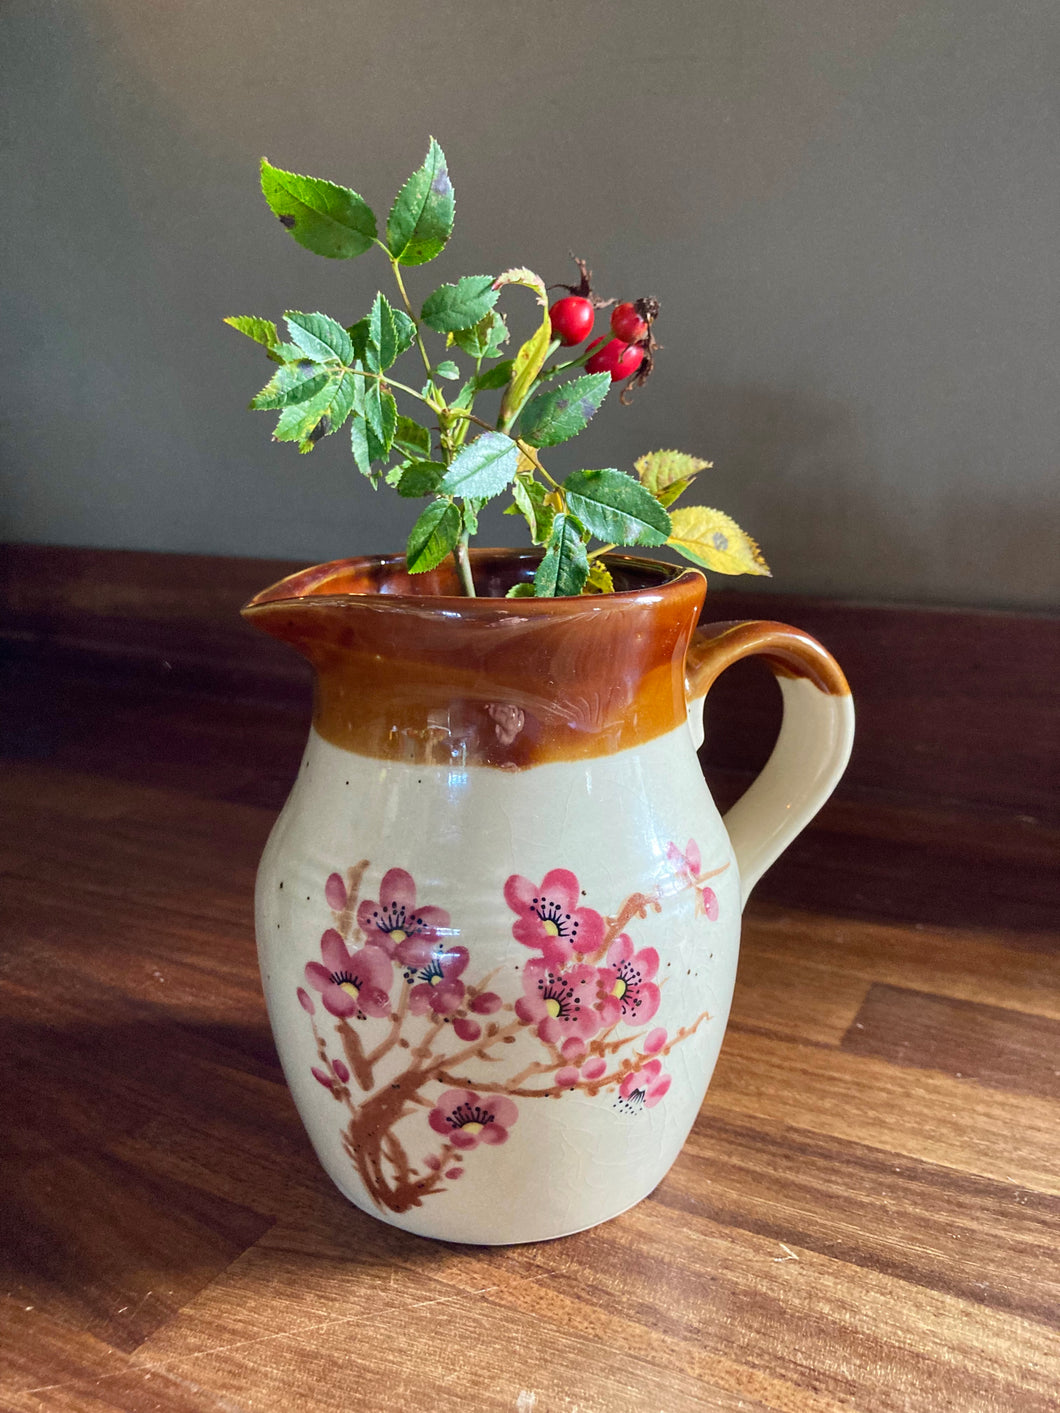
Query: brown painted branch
x,y
636,905
460,1056
344,920
387,1044
358,1061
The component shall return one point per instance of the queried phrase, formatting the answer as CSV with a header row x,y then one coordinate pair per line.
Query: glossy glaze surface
x,y
499,915
408,669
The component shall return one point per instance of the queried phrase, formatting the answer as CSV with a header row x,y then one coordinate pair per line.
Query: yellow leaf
x,y
599,580
712,539
531,357
659,469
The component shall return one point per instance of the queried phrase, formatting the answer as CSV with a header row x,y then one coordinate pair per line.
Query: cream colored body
x,y
461,832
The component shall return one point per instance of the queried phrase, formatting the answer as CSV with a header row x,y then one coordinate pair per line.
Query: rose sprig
x,y
449,453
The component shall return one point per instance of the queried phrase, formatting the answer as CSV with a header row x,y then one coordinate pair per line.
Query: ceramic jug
x,y
499,914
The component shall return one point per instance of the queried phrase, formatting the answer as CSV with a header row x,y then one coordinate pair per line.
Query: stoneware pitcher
x,y
498,917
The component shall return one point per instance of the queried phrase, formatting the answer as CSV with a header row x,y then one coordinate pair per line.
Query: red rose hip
x,y
627,324
619,359
572,319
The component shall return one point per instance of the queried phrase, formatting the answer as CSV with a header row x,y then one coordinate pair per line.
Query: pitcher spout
x,y
408,668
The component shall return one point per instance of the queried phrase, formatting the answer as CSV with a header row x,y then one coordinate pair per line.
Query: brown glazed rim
x,y
430,675
312,582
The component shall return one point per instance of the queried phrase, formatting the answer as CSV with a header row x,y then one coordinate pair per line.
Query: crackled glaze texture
x,y
498,917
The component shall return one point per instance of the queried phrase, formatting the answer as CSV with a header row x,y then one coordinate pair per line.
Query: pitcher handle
x,y
813,746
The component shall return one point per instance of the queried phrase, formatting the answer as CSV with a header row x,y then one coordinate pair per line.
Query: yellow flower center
x,y
550,927
552,1006
472,1128
436,979
350,989
619,989
397,935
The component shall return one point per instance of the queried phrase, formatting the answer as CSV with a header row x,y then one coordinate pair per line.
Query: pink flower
x,y
306,1001
335,893
486,1002
437,988
351,983
689,865
341,1073
467,1029
690,861
627,991
643,1088
560,1002
655,1040
466,1119
594,1068
550,918
397,925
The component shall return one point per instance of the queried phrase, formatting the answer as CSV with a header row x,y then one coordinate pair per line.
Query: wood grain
x,y
866,1216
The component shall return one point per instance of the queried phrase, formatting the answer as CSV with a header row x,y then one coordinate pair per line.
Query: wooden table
x,y
865,1216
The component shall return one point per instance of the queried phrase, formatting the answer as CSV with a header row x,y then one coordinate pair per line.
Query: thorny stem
x,y
408,310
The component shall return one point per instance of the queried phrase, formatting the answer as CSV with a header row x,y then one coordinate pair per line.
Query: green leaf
x,y
712,539
380,415
484,339
306,422
454,307
471,509
291,383
260,330
381,348
483,468
464,398
667,497
531,501
433,536
421,218
412,439
495,377
659,470
447,369
565,567
420,478
319,337
359,337
561,413
327,219
374,424
405,330
615,507
520,591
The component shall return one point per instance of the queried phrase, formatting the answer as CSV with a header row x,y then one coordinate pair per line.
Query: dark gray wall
x,y
848,208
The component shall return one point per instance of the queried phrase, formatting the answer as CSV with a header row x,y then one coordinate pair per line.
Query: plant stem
x,y
393,383
408,310
463,564
578,362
